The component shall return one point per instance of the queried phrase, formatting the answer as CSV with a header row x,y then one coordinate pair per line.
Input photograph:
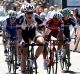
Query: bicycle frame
x,y
31,58
53,57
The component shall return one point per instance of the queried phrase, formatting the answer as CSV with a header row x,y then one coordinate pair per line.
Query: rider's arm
x,y
38,19
72,22
20,20
4,30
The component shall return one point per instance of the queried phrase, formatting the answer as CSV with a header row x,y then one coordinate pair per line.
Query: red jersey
x,y
53,25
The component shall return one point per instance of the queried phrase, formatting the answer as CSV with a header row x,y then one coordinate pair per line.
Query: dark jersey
x,y
28,33
11,29
67,23
20,20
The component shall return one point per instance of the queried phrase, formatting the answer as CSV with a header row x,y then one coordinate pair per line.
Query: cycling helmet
x,y
57,15
28,8
66,12
12,14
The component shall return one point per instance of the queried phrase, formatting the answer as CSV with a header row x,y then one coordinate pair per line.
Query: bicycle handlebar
x,y
54,28
33,44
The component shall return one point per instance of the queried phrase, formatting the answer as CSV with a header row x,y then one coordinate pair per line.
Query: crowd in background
x,y
41,7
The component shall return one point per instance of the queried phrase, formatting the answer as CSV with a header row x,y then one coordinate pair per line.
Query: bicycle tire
x,y
14,61
34,63
66,64
9,66
53,67
35,66
9,60
29,67
49,70
56,62
61,63
62,59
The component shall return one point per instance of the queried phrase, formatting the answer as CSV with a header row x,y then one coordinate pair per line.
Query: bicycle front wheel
x,y
56,62
31,66
9,60
14,61
66,64
53,64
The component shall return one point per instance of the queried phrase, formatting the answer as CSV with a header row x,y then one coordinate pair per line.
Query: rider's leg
x,y
39,40
60,37
24,56
67,46
45,53
5,40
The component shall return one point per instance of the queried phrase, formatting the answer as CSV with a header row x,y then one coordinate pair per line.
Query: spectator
x,y
76,13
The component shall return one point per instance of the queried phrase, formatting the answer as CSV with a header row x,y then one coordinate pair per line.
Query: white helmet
x,y
58,15
28,8
12,14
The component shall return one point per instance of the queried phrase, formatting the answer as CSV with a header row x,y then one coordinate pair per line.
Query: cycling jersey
x,y
20,20
28,32
36,18
11,29
67,23
53,25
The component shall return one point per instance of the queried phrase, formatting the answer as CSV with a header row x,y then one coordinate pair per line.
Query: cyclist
x,y
29,33
11,23
53,25
10,28
67,22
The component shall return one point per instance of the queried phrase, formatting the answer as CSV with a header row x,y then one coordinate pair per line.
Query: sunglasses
x,y
12,18
29,12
